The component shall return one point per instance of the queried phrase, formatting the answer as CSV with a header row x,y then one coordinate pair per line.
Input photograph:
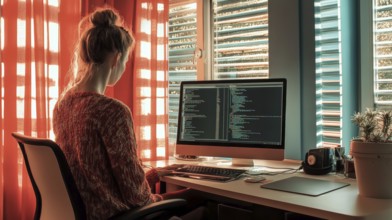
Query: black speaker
x,y
318,161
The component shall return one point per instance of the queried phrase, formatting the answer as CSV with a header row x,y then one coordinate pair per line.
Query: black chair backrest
x,y
57,196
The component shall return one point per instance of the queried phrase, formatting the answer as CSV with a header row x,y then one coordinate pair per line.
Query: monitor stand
x,y
240,162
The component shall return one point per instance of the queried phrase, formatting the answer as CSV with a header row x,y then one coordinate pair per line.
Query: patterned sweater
x,y
97,137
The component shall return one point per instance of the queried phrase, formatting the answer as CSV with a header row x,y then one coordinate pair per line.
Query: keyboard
x,y
205,172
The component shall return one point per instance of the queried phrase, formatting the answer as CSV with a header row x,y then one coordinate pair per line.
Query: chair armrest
x,y
155,207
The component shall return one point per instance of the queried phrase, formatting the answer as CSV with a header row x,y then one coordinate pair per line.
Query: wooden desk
x,y
344,203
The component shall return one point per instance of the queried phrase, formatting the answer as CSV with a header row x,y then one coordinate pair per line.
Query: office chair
x,y
57,196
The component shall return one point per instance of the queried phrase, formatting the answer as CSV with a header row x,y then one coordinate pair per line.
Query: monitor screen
x,y
232,118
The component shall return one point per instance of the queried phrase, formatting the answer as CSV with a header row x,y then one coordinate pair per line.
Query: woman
x,y
95,131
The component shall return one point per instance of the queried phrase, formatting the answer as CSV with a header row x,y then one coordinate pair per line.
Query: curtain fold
x,y
31,44
150,82
37,42
11,193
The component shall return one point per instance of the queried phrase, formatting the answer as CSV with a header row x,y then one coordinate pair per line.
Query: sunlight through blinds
x,y
240,39
382,53
328,73
182,66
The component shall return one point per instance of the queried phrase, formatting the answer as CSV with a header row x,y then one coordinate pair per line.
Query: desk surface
x,y
344,203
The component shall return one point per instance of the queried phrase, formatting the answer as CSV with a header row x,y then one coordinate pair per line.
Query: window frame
x,y
367,53
292,56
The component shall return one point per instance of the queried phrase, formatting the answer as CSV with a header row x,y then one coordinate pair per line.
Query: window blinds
x,y
182,42
240,39
328,73
239,42
382,53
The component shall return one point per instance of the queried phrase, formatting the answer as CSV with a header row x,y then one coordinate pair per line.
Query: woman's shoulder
x,y
106,103
95,102
116,105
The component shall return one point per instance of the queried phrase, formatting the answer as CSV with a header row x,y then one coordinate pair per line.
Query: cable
x,y
272,173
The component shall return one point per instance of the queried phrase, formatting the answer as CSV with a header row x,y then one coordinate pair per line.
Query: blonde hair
x,y
100,34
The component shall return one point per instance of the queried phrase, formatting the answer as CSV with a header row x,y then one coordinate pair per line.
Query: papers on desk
x,y
305,186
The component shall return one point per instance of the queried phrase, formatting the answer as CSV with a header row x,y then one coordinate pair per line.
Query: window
x,y
328,73
182,44
238,41
382,29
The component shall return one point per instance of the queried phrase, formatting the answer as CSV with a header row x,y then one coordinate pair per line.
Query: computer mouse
x,y
254,179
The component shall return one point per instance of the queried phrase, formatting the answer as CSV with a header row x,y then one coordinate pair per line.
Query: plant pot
x,y
373,168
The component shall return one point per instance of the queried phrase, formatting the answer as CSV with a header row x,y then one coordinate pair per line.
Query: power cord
x,y
272,173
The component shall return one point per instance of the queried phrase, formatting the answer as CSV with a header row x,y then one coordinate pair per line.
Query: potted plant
x,y
372,152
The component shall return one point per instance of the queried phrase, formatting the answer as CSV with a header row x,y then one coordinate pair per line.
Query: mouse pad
x,y
305,186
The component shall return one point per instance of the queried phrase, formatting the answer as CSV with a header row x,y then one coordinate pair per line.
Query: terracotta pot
x,y
373,168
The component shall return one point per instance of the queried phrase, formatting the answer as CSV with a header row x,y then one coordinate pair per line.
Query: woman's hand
x,y
152,178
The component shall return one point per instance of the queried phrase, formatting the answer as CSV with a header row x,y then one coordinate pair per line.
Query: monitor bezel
x,y
239,150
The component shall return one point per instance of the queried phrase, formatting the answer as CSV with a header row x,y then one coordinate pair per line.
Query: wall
x,y
284,50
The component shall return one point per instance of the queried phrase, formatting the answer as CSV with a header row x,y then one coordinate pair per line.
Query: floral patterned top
x,y
96,134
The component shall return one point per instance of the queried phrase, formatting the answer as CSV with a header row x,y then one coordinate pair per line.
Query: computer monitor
x,y
242,119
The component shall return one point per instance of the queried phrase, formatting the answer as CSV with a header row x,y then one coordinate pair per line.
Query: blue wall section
x,y
308,76
284,60
350,73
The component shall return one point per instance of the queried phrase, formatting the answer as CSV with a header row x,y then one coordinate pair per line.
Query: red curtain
x,y
37,42
36,46
150,84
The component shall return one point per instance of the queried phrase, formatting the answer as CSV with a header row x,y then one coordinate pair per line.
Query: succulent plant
x,y
374,125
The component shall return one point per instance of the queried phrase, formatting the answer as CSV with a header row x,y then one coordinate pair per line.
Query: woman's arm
x,y
119,138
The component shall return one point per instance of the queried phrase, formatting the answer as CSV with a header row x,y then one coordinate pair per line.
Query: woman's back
x,y
89,127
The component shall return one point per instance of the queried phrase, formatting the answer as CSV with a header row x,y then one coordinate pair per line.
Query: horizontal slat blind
x,y
382,53
240,39
328,73
182,67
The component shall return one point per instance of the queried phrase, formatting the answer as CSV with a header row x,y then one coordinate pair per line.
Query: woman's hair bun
x,y
103,18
